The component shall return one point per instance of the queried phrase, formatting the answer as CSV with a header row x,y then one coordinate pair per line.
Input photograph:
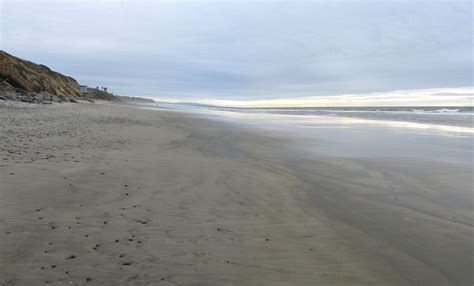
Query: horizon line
x,y
457,96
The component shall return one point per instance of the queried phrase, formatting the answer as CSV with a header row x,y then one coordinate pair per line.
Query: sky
x,y
253,52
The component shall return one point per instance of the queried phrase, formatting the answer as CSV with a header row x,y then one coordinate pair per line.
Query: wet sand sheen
x,y
115,195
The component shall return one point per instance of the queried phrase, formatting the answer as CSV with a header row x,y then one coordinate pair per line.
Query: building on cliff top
x,y
83,88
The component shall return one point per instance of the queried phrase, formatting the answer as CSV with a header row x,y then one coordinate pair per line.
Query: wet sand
x,y
97,194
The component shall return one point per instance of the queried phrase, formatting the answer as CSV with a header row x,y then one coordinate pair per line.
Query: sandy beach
x,y
103,194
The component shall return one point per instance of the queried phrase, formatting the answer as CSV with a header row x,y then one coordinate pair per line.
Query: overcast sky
x,y
246,50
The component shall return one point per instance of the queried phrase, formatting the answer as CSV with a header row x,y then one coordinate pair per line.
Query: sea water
x,y
433,133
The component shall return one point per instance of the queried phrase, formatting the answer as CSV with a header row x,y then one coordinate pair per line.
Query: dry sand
x,y
96,194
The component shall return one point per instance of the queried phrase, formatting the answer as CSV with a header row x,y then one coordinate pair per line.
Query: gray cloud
x,y
246,50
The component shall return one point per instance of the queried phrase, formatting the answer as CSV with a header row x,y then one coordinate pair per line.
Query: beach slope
x,y
114,195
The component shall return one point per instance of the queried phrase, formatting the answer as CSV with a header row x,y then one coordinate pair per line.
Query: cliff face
x,y
93,93
35,78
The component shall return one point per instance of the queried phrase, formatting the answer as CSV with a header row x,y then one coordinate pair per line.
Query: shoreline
x,y
144,196
463,126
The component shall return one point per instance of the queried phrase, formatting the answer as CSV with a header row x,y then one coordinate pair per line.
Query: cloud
x,y
246,50
461,96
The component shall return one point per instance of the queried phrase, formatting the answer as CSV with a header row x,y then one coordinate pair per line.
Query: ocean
x,y
448,119
427,133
